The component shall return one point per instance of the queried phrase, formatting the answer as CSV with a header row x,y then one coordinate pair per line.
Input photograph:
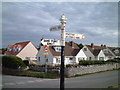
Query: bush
x,y
26,62
91,62
12,62
113,61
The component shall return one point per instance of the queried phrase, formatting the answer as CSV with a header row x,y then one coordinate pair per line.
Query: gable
x,y
87,52
81,54
28,51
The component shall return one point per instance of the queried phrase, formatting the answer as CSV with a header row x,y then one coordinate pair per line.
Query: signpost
x,y
46,51
74,36
53,42
55,28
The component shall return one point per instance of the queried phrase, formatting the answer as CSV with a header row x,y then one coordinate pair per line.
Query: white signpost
x,y
74,36
51,42
55,28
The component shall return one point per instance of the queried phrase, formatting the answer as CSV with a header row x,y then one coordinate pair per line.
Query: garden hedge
x,y
91,62
12,62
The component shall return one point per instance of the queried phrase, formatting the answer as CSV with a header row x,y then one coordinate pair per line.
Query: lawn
x,y
30,73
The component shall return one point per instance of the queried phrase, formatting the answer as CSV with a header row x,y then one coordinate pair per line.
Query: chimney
x,y
101,45
72,44
105,46
92,45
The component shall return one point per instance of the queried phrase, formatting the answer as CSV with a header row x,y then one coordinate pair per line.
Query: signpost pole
x,y
45,54
64,35
63,22
45,63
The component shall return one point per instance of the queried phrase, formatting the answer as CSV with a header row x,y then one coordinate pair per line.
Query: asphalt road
x,y
99,80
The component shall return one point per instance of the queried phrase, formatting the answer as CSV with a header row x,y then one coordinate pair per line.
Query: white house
x,y
94,52
115,51
54,57
24,50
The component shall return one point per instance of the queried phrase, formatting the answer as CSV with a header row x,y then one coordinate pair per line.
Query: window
x,y
38,58
57,60
89,58
71,58
27,58
101,58
85,49
82,58
105,50
57,49
9,49
116,51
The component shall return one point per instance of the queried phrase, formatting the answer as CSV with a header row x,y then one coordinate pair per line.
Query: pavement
x,y
98,80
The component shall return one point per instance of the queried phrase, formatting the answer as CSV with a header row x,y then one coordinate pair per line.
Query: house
x,y
115,51
94,52
2,51
54,57
24,50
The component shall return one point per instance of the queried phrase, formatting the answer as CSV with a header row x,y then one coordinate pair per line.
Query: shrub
x,y
26,62
13,62
91,62
113,61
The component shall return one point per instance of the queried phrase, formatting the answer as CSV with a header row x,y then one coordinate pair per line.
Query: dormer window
x,y
18,49
105,50
116,51
85,49
57,49
9,49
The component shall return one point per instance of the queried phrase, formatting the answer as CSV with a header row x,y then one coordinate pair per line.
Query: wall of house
x,y
88,53
101,55
109,57
28,51
67,60
43,58
80,56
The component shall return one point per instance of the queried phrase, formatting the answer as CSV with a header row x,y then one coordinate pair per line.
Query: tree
x,y
80,45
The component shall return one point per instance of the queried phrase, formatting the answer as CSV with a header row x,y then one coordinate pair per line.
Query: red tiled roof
x,y
21,45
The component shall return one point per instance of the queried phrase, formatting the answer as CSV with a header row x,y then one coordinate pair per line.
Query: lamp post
x,y
63,20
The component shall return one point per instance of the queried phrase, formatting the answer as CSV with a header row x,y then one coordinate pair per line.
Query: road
x,y
99,80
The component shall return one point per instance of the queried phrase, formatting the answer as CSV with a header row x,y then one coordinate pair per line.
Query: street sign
x,y
74,36
55,28
51,42
46,50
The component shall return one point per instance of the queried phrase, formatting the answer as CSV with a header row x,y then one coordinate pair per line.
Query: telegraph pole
x,y
63,23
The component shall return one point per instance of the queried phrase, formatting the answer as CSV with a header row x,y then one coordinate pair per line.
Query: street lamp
x,y
63,20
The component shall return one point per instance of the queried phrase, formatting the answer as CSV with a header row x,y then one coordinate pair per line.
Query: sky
x,y
30,21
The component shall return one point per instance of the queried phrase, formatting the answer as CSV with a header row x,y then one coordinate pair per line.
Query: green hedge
x,y
12,62
113,61
91,62
26,62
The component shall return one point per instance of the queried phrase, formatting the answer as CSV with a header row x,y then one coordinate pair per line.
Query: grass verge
x,y
78,75
114,86
30,73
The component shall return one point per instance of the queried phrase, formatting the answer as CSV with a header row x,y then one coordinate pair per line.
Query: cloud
x,y
31,21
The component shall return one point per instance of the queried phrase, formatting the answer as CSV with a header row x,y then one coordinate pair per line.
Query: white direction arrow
x,y
55,28
74,36
51,42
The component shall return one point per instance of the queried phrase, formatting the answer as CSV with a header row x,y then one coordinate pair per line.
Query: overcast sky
x,y
29,21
